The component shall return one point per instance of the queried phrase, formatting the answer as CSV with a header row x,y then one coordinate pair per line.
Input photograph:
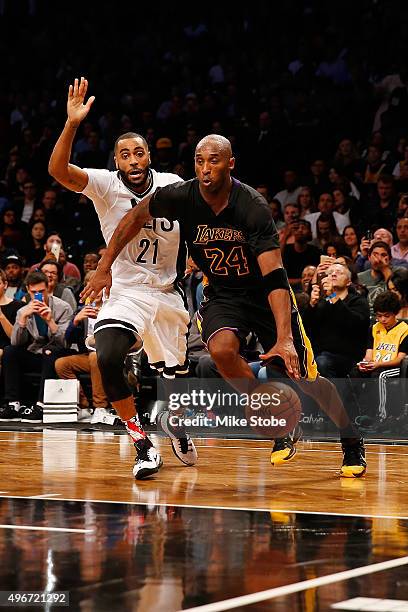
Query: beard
x,y
141,184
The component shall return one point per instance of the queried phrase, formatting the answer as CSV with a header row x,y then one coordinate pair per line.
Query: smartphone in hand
x,y
55,250
326,259
38,296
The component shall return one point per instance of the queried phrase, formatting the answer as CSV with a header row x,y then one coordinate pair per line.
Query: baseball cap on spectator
x,y
12,259
164,143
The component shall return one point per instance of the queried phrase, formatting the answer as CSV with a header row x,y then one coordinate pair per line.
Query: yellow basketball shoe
x,y
354,463
284,449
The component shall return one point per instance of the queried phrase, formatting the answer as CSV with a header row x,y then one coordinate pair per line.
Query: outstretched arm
x,y
129,226
69,175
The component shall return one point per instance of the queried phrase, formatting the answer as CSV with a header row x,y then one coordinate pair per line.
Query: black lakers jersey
x,y
225,245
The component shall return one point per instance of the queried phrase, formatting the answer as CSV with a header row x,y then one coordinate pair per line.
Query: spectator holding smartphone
x,y
291,215
56,286
53,247
337,318
321,271
387,346
37,339
380,235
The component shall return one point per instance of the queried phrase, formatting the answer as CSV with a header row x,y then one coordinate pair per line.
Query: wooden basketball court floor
x,y
233,533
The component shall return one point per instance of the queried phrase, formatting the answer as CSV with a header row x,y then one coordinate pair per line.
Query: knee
x,y
223,354
111,350
59,365
108,359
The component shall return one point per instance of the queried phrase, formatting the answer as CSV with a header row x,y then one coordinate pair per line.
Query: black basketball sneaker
x,y
148,460
284,449
354,463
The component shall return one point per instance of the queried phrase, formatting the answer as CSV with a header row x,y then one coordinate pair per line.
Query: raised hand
x,y
32,307
88,312
327,285
364,246
315,295
323,267
76,109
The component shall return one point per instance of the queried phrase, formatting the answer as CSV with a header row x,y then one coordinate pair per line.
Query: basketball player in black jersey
x,y
232,237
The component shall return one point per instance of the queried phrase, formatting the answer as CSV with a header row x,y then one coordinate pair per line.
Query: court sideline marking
x,y
43,495
374,442
201,507
289,589
35,528
303,449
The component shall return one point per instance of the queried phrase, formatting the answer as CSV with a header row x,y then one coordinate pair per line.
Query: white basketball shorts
x,y
159,318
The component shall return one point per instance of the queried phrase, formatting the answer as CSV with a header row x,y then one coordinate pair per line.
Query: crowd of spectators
x,y
312,95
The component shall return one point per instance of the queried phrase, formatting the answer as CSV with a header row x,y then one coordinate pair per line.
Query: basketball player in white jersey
x,y
145,303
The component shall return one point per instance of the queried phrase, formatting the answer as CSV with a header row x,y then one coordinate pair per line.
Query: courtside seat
x,y
31,382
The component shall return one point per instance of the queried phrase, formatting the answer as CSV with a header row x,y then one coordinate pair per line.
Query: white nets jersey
x,y
156,258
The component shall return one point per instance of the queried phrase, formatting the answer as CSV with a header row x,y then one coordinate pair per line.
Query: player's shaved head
x,y
218,143
213,164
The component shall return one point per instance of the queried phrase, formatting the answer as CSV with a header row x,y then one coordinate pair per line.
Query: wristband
x,y
277,279
331,296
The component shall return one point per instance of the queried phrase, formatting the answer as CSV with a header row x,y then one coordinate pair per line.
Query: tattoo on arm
x,y
119,236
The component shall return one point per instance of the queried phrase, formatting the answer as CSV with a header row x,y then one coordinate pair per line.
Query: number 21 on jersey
x,y
149,251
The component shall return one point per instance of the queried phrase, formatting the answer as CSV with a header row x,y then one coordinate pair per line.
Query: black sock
x,y
350,434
